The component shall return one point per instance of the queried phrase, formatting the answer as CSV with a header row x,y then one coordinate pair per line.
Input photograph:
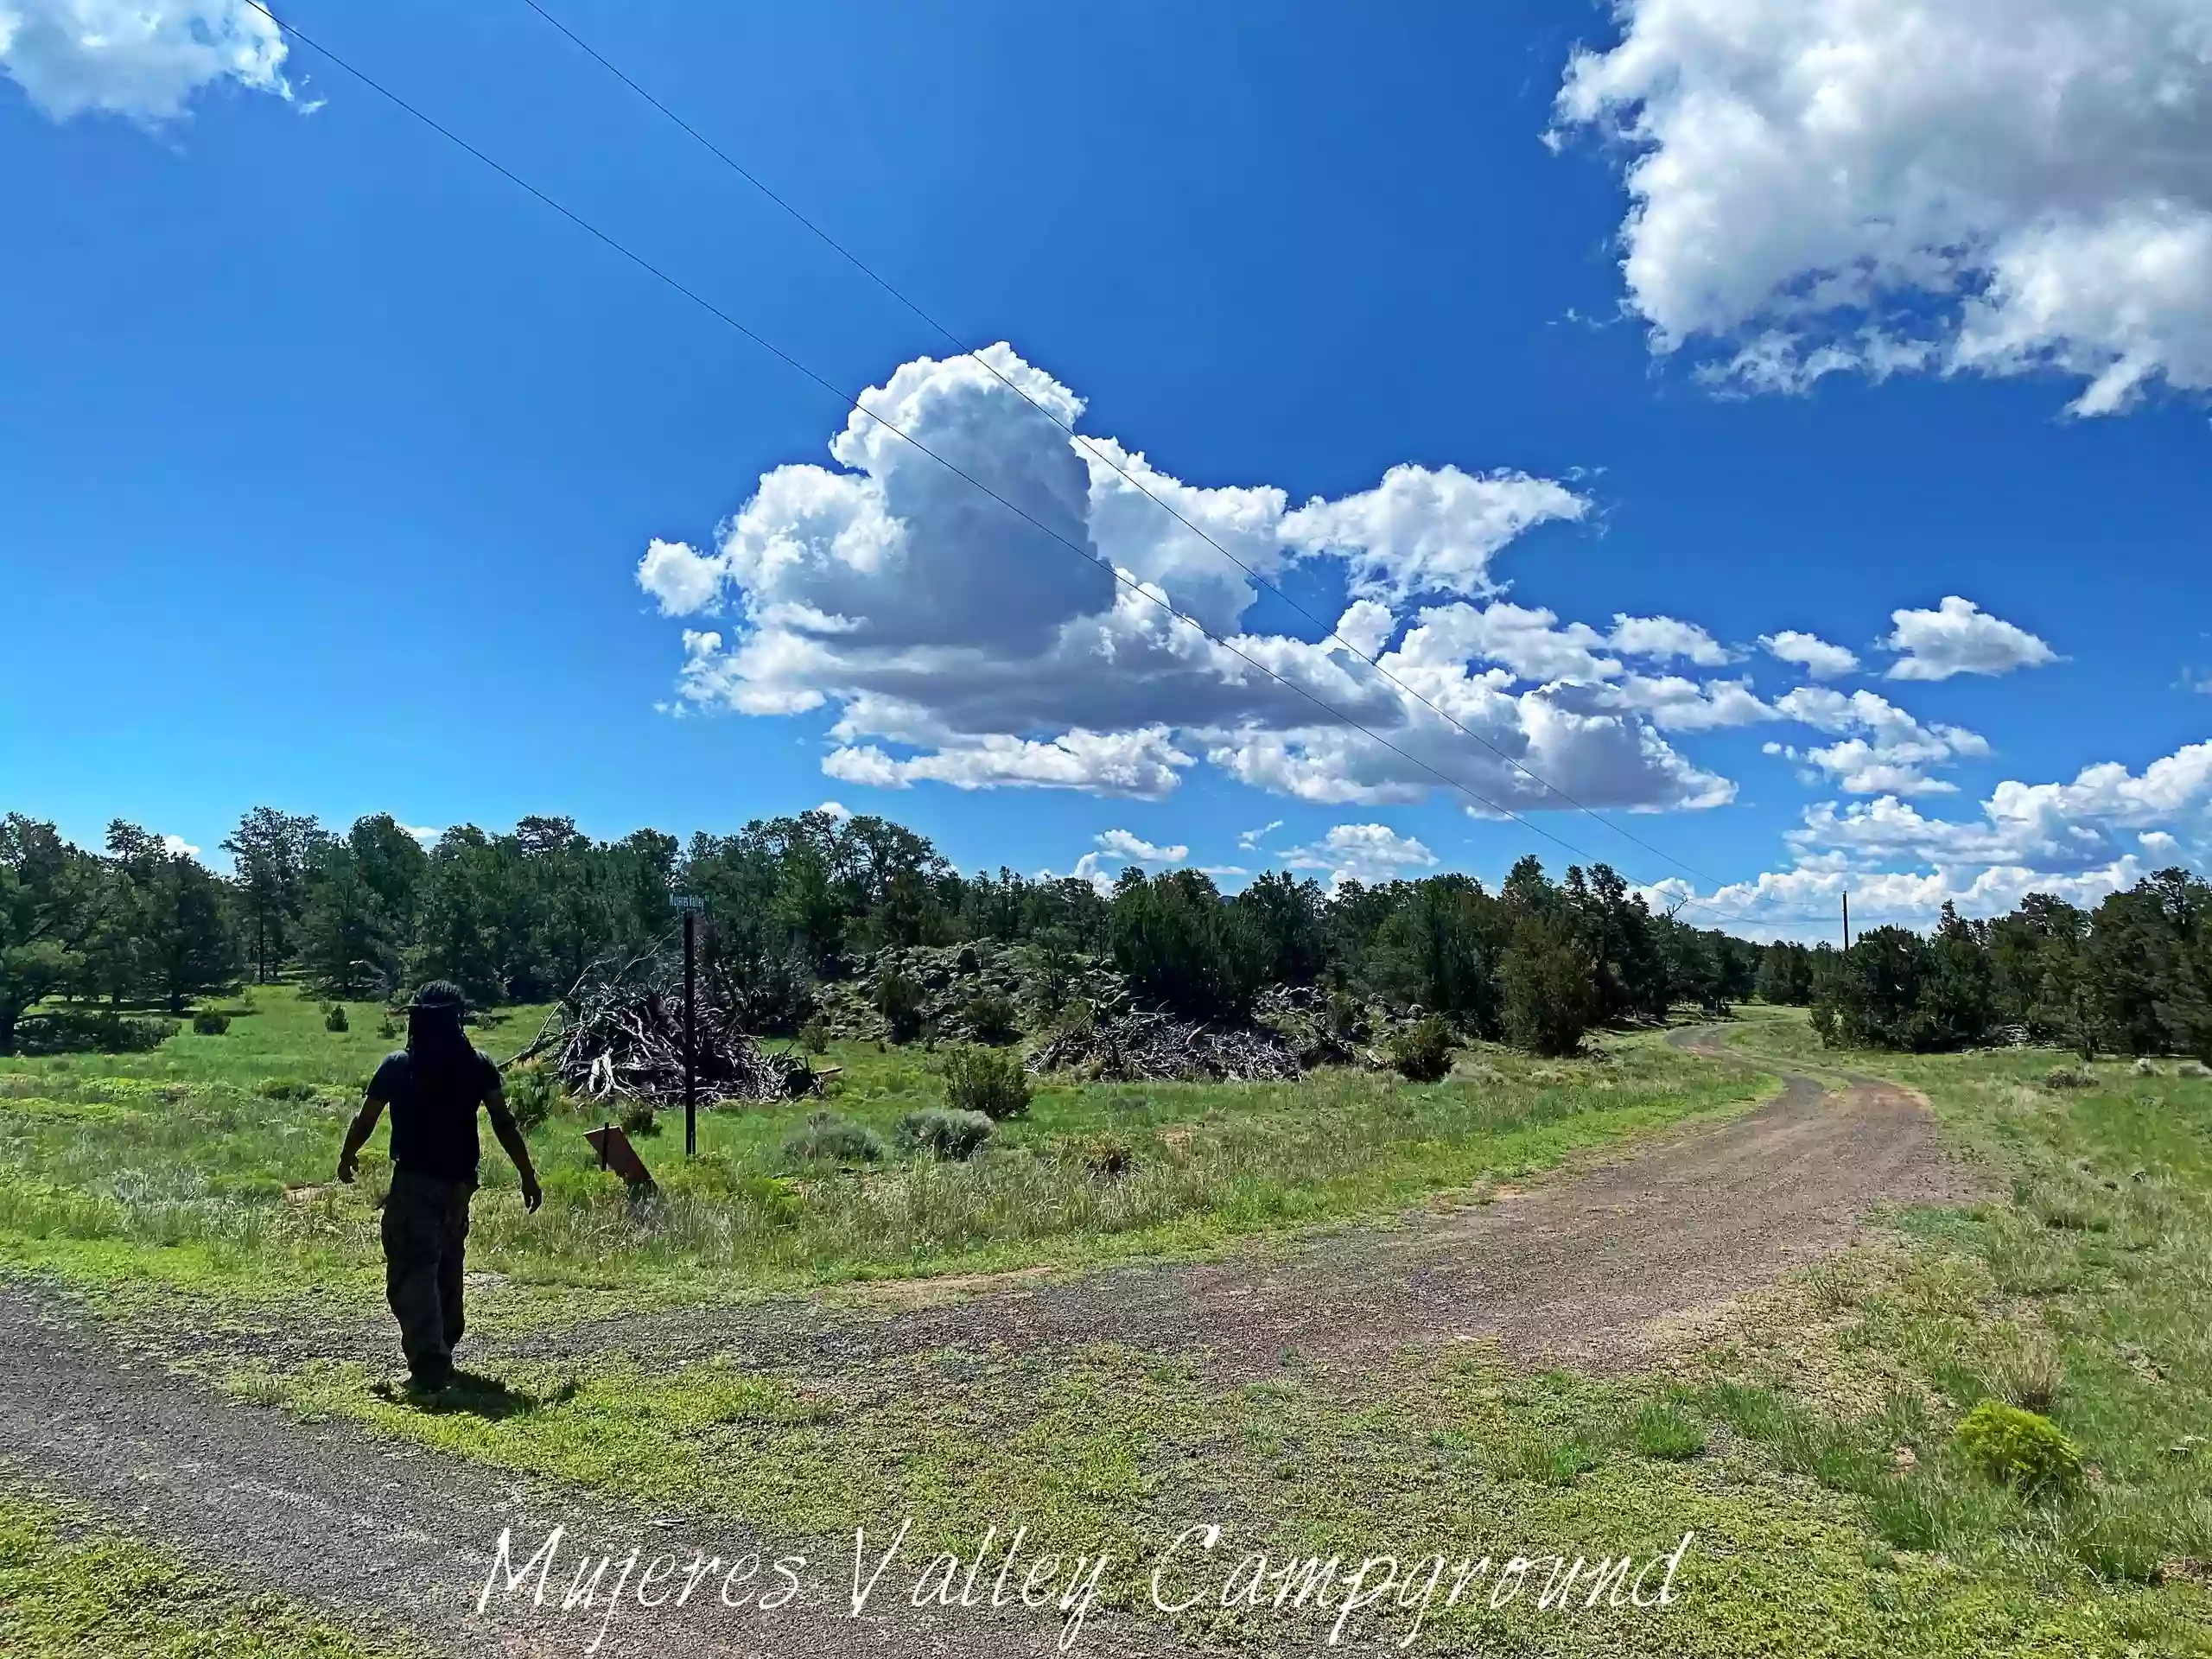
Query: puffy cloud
x,y
427,834
1818,659
1135,849
1142,764
950,640
1885,750
833,809
1428,531
1999,186
1361,852
1250,840
144,59
1675,704
1959,636
2078,841
178,847
1664,639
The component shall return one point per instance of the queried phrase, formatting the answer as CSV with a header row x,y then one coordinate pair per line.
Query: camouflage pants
x,y
425,1233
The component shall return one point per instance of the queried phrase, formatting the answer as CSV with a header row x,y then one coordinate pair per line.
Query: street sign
x,y
688,901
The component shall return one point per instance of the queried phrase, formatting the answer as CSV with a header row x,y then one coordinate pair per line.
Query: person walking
x,y
434,1087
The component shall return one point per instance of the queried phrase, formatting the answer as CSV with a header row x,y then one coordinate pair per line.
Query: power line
x,y
1169,507
853,403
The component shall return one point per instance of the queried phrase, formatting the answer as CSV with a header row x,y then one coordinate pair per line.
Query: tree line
x,y
2132,976
521,916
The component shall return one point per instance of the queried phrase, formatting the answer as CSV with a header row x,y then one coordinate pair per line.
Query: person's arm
x,y
357,1134
511,1142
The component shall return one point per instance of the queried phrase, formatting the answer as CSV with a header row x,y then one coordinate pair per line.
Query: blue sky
x,y
329,458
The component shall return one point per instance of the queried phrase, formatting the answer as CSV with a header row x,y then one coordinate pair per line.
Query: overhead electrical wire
x,y
854,404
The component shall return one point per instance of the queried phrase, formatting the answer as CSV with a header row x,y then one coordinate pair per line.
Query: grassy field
x,y
1809,1441
206,1166
70,1587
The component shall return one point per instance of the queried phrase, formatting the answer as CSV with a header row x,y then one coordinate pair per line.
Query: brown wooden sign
x,y
615,1152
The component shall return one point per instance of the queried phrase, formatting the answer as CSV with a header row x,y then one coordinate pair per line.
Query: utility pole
x,y
1846,921
690,906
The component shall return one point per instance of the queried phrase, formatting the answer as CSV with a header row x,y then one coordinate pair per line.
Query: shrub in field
x,y
208,1023
814,1036
72,1031
2029,1372
387,1028
640,1122
1549,1000
2021,1449
991,1018
1422,1052
899,999
334,1017
987,1080
826,1138
532,1093
1106,1156
286,1089
943,1133
2070,1076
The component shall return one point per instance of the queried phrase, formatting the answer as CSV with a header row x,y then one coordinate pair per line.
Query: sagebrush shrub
x,y
943,1133
991,1018
208,1023
2024,1450
334,1017
814,1037
640,1122
1107,1156
2070,1076
987,1080
826,1138
1422,1052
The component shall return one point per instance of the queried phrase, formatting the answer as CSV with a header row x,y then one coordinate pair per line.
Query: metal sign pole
x,y
690,1036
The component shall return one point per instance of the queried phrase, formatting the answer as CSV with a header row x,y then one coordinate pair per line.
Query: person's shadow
x,y
472,1394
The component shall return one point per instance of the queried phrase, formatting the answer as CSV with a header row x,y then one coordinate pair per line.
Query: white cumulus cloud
x,y
1361,852
1135,849
1816,655
1998,186
1885,750
1959,636
1664,639
143,58
950,639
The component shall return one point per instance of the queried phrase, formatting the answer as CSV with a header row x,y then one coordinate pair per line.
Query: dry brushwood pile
x,y
626,1038
1134,1047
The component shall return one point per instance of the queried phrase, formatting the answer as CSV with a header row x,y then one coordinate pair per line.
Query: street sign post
x,y
690,905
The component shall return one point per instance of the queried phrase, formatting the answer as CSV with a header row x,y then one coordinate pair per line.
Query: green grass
x,y
70,1589
206,1165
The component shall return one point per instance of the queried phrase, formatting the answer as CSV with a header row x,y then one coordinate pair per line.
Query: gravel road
x,y
1586,1269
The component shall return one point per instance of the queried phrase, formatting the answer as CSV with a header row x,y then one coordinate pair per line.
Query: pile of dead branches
x,y
623,1036
1135,1047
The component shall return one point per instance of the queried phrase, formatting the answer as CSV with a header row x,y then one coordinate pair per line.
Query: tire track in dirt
x,y
1586,1269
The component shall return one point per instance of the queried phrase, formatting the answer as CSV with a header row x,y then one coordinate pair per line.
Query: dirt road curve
x,y
1584,1269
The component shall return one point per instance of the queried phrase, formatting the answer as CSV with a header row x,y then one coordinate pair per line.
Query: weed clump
x,y
814,1036
2070,1076
1666,1432
826,1138
943,1133
1109,1157
640,1122
2024,1450
532,1094
334,1017
286,1089
208,1023
1422,1052
987,1080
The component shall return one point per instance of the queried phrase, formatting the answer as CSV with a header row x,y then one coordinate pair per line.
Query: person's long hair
x,y
438,1047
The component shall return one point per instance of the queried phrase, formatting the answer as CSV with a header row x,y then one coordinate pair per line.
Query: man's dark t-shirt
x,y
434,1113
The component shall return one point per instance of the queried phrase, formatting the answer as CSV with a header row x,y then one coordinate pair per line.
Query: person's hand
x,y
533,1194
345,1168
